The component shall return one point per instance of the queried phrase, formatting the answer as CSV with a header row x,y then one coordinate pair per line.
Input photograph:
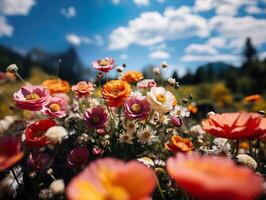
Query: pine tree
x,y
250,52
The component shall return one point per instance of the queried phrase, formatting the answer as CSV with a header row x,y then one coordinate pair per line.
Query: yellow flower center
x,y
82,86
55,107
136,107
161,98
32,96
103,62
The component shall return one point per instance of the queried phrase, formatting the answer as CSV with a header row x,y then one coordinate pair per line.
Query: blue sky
x,y
185,33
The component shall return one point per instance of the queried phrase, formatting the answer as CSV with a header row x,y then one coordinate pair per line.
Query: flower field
x,y
127,138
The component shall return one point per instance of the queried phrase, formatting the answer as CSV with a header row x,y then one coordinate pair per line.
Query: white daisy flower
x,y
126,137
130,126
171,81
93,102
147,135
221,145
180,111
146,161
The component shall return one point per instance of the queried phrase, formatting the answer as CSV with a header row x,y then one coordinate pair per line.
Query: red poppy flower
x,y
35,133
10,151
239,125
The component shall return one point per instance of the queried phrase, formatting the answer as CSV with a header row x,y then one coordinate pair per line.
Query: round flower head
x,y
132,76
112,179
10,151
239,125
208,178
115,92
35,133
96,118
160,99
146,83
78,156
137,107
57,86
31,98
104,65
179,144
55,134
56,108
83,89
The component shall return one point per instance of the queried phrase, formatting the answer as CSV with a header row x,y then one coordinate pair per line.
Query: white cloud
x,y
161,1
115,2
68,12
211,58
255,10
201,49
159,55
79,40
5,28
123,57
160,46
152,28
142,2
16,7
262,55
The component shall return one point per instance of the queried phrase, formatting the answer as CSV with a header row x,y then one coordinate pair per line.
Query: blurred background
x,y
216,49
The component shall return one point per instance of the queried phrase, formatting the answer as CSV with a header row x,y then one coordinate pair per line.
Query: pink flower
x,y
96,118
176,121
104,65
137,107
146,84
56,108
63,96
110,178
78,156
83,89
31,98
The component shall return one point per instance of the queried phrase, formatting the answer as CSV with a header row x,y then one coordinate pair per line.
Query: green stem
x,y
20,78
159,187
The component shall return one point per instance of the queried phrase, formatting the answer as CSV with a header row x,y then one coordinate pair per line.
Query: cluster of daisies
x,y
126,139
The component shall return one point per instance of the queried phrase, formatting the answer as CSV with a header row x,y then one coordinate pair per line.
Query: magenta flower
x,y
56,108
31,98
137,107
78,156
146,84
38,161
104,65
83,89
96,118
177,121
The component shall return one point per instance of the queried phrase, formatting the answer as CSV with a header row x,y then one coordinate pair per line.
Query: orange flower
x,y
57,86
115,92
178,144
109,178
208,178
132,76
252,98
10,151
192,108
239,125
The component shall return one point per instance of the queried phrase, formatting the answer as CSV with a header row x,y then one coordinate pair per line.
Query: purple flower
x,y
104,65
78,156
176,121
137,107
96,118
38,161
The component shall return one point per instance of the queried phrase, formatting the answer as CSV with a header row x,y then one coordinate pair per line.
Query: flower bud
x,y
57,186
164,64
12,68
176,121
100,75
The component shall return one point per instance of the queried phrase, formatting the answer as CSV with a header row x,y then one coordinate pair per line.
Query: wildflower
x,y
252,98
31,98
115,92
164,64
10,151
235,125
96,118
104,65
78,156
146,84
132,76
83,89
55,134
63,96
35,133
93,102
245,159
9,185
38,161
56,108
214,178
147,135
171,81
57,186
179,144
197,129
107,173
180,111
137,107
160,99
57,86
156,70
12,68
176,121
221,145
6,122
126,137
130,126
